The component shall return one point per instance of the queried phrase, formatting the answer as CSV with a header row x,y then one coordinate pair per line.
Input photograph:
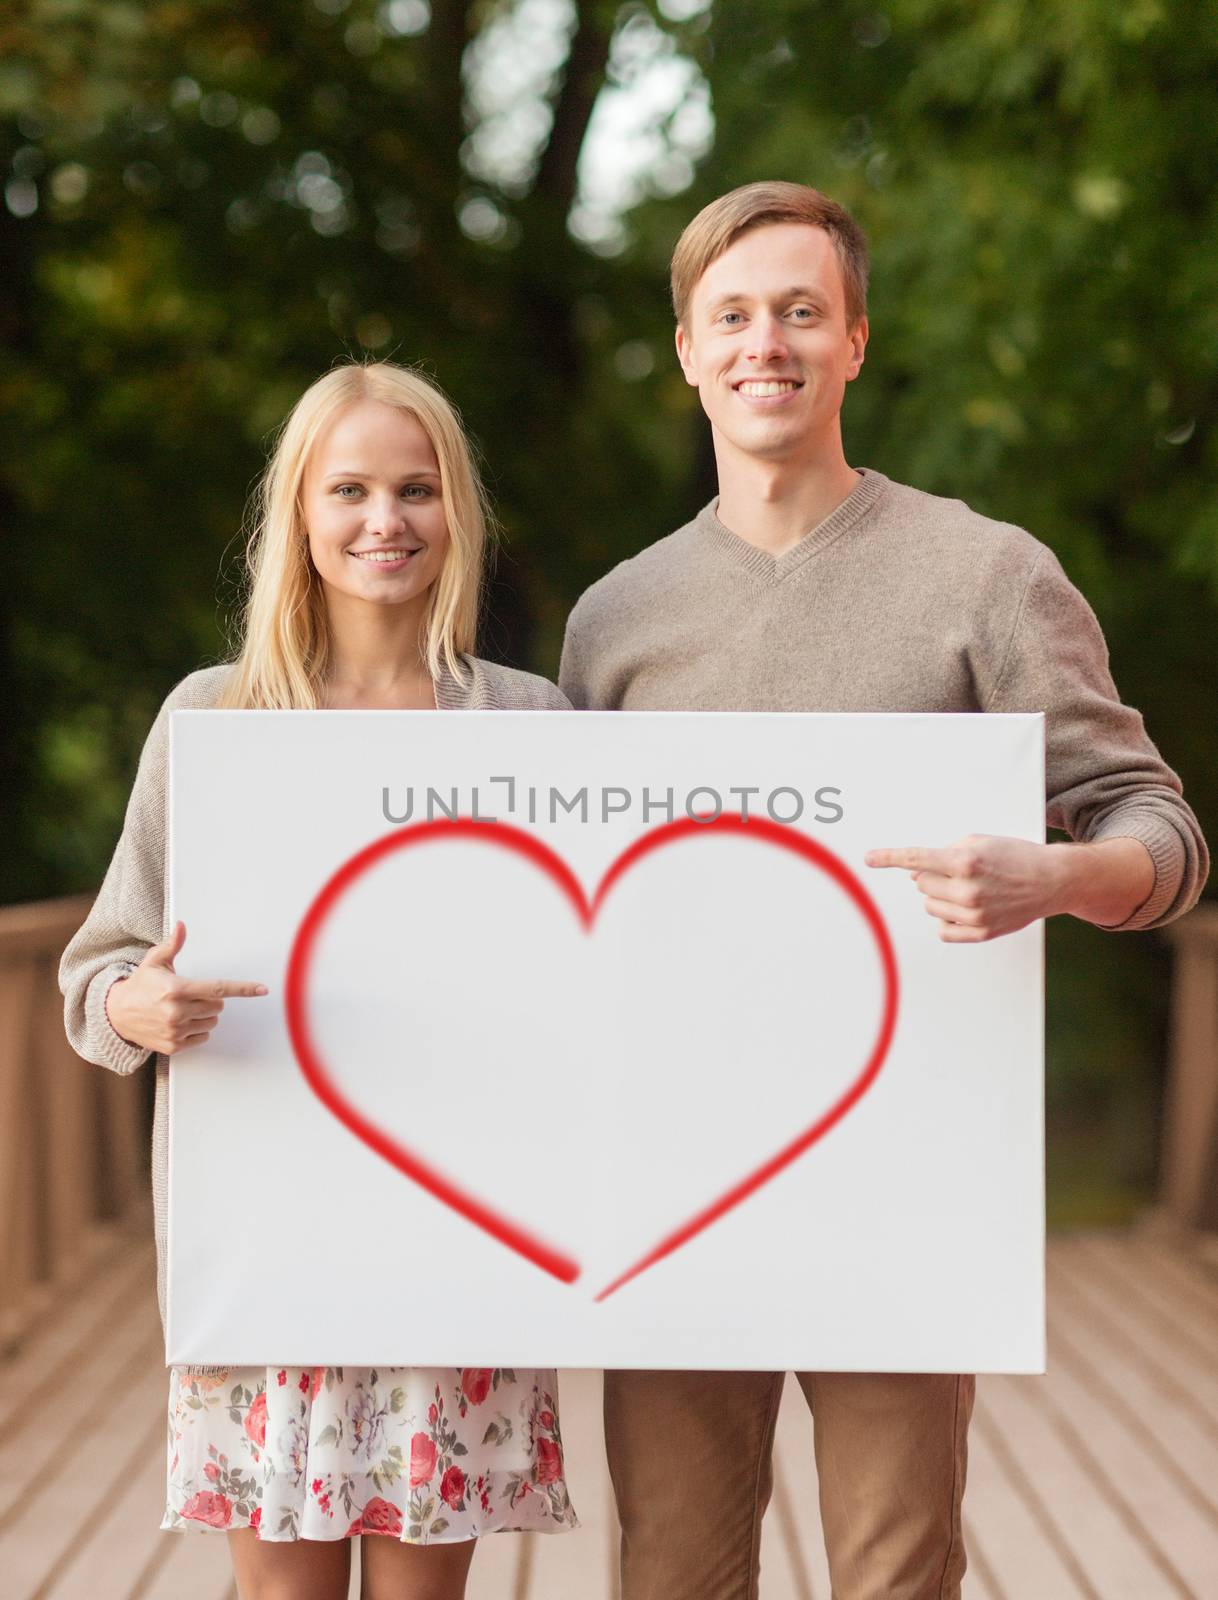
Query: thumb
x,y
164,955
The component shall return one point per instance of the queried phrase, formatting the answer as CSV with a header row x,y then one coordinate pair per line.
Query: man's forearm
x,y
1104,883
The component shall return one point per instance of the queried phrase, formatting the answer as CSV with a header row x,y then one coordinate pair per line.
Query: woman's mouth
x,y
386,560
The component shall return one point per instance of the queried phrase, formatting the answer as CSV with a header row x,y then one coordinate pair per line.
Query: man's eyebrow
x,y
800,291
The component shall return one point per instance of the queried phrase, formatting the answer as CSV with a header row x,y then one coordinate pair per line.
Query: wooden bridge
x,y
1097,1482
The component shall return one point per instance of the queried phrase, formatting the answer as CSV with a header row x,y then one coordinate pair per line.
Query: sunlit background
x,y
208,203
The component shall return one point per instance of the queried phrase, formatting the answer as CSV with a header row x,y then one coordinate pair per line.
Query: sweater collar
x,y
773,569
473,691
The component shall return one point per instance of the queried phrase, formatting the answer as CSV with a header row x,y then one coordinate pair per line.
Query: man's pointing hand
x,y
983,887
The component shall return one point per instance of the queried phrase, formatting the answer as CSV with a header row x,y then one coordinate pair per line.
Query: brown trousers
x,y
689,1455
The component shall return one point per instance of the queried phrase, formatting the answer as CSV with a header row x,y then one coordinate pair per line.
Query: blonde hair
x,y
755,205
285,638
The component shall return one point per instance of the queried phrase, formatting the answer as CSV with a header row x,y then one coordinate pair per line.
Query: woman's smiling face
x,y
374,507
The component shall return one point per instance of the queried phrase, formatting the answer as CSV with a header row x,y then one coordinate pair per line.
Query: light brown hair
x,y
755,205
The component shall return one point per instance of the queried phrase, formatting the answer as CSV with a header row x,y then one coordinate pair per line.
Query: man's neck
x,y
774,505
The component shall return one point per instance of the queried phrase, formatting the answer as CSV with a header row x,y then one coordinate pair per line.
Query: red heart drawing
x,y
504,836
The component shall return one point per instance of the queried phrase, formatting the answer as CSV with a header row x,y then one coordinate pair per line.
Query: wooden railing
x,y
73,1138
1188,1187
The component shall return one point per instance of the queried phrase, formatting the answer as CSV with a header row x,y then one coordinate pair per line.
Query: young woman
x,y
366,564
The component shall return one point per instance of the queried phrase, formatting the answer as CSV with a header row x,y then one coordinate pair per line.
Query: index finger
x,y
914,858
220,989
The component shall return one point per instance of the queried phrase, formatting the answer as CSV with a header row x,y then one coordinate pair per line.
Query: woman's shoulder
x,y
495,687
199,691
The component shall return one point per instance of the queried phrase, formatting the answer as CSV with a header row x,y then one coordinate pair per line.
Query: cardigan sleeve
x,y
127,917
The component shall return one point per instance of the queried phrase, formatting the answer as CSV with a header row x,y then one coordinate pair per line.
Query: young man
x,y
809,586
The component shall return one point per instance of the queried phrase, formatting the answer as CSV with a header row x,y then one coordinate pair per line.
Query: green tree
x,y
207,203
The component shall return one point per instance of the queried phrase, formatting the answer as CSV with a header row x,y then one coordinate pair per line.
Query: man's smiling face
x,y
767,345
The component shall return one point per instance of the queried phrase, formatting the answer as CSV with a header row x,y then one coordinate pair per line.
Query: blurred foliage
x,y
207,203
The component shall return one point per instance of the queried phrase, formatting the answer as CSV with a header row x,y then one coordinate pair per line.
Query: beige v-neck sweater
x,y
131,912
897,601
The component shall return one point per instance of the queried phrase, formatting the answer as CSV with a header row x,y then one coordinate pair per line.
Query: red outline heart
x,y
507,837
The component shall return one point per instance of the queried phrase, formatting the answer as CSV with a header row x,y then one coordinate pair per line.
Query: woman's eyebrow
x,y
413,472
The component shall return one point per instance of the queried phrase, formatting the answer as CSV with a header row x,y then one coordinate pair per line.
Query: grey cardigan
x,y
130,913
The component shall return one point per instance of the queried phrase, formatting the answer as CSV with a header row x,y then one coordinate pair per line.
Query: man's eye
x,y
728,317
805,313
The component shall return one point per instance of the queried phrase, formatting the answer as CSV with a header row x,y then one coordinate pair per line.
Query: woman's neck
x,y
377,660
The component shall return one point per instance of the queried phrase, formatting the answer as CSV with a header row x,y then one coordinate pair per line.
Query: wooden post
x,y
1189,1181
19,1243
67,1100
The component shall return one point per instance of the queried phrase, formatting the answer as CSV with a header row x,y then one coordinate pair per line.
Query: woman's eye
x,y
416,491
346,491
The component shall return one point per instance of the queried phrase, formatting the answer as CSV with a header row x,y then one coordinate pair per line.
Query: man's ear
x,y
858,348
685,355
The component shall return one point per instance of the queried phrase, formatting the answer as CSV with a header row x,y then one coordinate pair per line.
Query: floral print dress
x,y
430,1455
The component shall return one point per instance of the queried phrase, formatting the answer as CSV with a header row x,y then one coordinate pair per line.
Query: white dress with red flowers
x,y
431,1455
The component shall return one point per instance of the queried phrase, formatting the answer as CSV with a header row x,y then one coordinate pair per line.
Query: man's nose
x,y
766,339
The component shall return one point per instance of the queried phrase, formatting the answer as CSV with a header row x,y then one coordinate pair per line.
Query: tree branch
x,y
582,79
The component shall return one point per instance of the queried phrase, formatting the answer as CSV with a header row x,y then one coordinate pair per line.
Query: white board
x,y
587,1084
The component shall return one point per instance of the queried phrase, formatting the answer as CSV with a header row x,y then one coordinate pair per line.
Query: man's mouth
x,y
764,388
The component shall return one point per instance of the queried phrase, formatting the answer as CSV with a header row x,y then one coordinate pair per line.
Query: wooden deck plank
x,y
979,1582
1190,1275
1188,1312
1107,1558
1099,1482
188,1564
501,1568
1181,1534
1148,1330
68,1501
786,1572
69,1338
1008,1532
122,1538
1161,1415
1158,1375
76,1417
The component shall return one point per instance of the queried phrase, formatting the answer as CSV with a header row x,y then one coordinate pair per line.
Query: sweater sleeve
x,y
126,919
572,677
1104,778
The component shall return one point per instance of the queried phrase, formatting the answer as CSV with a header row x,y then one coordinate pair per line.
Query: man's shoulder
x,y
651,569
941,523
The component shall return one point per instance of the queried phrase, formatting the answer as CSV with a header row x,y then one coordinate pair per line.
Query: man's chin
x,y
773,443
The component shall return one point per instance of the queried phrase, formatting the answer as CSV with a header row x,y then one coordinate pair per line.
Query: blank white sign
x,y
591,1041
